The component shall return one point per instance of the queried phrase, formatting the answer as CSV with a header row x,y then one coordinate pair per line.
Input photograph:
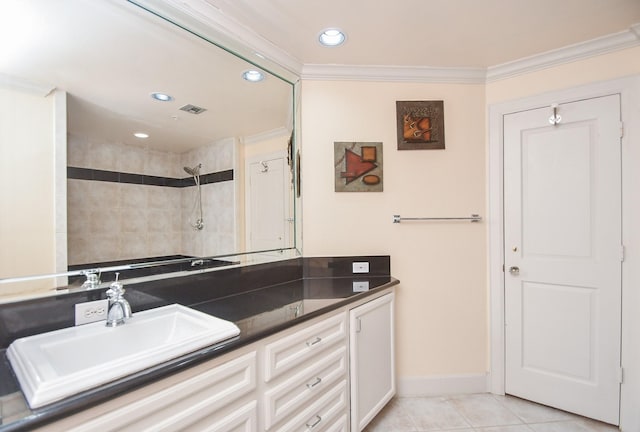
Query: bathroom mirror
x,y
207,180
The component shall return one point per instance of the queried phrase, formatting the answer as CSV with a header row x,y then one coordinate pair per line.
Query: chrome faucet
x,y
93,279
119,309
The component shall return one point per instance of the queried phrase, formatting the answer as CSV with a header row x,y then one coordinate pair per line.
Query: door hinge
x,y
621,253
621,129
621,375
358,325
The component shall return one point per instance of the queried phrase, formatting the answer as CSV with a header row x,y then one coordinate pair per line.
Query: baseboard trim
x,y
442,385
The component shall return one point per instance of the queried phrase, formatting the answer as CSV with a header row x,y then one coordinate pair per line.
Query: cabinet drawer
x,y
342,425
292,350
322,412
183,404
298,390
243,419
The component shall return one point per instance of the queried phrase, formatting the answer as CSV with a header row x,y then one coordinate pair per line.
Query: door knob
x,y
514,270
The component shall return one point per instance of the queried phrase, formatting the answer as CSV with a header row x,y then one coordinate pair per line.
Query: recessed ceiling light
x,y
253,75
141,135
163,97
332,37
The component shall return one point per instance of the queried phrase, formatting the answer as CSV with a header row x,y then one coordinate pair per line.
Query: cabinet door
x,y
210,400
372,359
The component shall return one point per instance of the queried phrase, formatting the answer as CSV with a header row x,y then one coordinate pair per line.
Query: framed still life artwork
x,y
358,166
420,125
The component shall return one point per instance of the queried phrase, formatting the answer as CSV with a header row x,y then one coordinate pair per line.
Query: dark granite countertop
x,y
258,313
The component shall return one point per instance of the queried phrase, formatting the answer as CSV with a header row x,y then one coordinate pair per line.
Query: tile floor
x,y
478,413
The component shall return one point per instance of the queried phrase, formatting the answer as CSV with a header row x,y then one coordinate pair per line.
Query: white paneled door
x,y
268,220
563,256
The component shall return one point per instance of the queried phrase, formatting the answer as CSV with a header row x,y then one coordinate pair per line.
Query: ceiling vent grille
x,y
193,109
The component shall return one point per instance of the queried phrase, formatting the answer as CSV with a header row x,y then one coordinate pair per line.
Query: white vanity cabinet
x,y
306,377
372,363
332,373
209,397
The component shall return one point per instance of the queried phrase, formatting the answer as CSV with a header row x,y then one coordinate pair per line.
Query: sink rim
x,y
41,390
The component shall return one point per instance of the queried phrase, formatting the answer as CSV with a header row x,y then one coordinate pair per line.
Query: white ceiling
x,y
433,33
110,55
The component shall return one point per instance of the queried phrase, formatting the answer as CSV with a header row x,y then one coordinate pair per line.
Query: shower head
x,y
193,171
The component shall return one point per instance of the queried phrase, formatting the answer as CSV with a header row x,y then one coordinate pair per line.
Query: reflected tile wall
x,y
218,203
218,156
112,220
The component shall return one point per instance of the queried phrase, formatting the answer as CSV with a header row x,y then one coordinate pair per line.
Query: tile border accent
x,y
142,179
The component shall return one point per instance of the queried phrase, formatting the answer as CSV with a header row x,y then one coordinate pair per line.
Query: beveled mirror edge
x,y
205,21
208,27
243,260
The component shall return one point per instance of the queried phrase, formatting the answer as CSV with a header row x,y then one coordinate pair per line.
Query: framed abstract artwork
x,y
358,166
420,125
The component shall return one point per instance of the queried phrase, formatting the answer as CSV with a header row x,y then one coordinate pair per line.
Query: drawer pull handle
x,y
314,424
315,383
315,341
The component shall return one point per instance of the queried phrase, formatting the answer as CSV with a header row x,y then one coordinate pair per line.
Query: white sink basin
x,y
54,365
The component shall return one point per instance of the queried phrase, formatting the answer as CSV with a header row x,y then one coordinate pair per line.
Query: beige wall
x,y
268,145
441,302
608,66
27,204
442,298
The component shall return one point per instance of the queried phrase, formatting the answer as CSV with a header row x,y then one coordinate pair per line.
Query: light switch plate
x,y
92,311
361,267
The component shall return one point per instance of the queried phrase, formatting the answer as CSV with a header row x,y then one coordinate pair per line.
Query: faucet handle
x,y
93,279
116,289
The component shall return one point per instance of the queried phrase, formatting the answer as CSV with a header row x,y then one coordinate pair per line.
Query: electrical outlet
x,y
361,267
92,311
360,286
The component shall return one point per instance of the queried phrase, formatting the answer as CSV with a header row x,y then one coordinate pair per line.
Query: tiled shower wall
x,y
112,220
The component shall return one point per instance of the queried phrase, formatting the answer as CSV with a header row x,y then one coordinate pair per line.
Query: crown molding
x,y
228,33
394,73
591,48
13,83
246,42
264,136
594,47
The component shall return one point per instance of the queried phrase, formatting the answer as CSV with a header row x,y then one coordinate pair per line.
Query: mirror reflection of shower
x,y
198,224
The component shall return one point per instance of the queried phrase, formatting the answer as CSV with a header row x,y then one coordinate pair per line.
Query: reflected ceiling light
x,y
141,135
253,75
332,37
163,97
